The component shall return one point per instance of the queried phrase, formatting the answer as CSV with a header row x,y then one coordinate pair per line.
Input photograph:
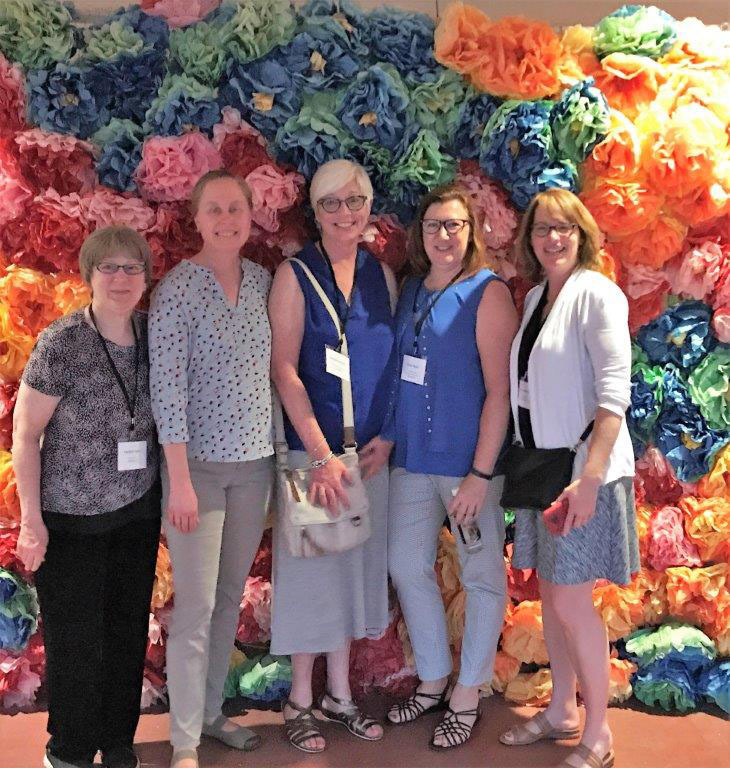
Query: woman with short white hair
x,y
320,604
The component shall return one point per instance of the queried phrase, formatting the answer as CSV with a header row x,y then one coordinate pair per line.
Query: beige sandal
x,y
588,758
521,734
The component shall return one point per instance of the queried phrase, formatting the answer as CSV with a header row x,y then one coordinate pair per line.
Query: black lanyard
x,y
131,403
342,316
418,322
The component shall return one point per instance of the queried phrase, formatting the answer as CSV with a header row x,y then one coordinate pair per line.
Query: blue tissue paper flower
x,y
666,683
680,335
579,120
153,29
401,38
647,395
476,110
682,434
18,612
344,29
182,104
375,106
125,88
714,684
120,144
60,101
319,62
263,91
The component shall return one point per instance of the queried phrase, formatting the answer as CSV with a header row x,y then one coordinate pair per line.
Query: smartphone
x,y
554,517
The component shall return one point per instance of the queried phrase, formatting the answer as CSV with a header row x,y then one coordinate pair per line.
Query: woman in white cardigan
x,y
570,365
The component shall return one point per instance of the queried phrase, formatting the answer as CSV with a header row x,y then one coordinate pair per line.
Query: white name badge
x,y
523,394
131,454
414,369
337,364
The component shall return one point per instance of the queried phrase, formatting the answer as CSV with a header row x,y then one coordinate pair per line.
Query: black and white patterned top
x,y
209,363
79,473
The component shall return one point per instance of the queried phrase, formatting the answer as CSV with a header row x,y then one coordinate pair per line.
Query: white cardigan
x,y
581,360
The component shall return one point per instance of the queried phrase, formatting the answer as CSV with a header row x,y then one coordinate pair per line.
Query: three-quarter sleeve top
x,y
370,332
436,424
581,360
209,363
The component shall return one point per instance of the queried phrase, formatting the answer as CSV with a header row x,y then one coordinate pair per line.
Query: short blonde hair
x,y
476,253
336,174
206,178
567,204
107,241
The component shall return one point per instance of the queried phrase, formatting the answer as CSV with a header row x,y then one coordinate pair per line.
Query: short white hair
x,y
336,174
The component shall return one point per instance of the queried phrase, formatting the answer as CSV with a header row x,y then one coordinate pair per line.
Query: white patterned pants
x,y
417,510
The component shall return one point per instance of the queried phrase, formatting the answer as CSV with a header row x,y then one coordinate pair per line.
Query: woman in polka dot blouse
x,y
210,347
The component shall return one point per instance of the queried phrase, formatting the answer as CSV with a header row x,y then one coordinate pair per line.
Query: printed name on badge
x,y
414,369
337,364
131,454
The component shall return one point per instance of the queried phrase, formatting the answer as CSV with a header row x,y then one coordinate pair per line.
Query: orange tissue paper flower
x,y
652,586
617,156
698,595
578,60
458,39
522,635
15,347
660,240
162,590
531,689
619,680
698,46
715,483
680,153
622,208
521,59
9,503
707,523
405,640
621,608
506,669
448,567
455,620
70,293
708,202
630,83
644,514
28,297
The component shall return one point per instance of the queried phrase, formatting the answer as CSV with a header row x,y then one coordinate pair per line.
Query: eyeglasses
x,y
452,226
110,268
543,230
332,204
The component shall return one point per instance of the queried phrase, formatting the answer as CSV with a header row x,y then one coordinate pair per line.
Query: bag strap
x,y
582,438
348,416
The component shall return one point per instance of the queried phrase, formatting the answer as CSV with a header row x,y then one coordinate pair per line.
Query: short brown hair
x,y
107,241
476,252
570,206
221,173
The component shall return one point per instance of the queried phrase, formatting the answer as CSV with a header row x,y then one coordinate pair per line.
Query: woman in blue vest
x,y
321,603
454,327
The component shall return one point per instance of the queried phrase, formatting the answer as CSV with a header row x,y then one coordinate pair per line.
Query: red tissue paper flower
x,y
12,96
172,237
8,394
254,622
668,543
386,239
15,190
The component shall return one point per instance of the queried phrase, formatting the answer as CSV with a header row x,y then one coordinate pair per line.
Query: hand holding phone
x,y
554,516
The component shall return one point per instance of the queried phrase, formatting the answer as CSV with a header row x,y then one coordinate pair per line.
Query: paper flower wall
x,y
116,121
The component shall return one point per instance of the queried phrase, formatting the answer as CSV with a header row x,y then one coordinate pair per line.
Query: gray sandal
x,y
351,717
303,727
241,738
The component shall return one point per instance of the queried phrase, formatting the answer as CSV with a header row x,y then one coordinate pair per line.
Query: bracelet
x,y
482,475
317,463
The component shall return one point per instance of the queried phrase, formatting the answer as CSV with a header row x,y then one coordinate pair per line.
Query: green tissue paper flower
x,y
199,51
116,129
653,643
257,26
423,163
437,101
709,388
636,29
107,42
36,33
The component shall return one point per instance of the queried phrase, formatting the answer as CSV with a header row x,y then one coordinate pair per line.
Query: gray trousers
x,y
209,569
417,510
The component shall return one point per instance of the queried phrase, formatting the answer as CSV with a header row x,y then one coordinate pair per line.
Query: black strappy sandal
x,y
411,709
455,731
302,727
352,718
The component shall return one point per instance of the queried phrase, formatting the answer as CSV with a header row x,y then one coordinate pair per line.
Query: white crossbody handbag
x,y
309,530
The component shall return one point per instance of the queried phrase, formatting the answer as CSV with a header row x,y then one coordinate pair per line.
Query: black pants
x,y
94,592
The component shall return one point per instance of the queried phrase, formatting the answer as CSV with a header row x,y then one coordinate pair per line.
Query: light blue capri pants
x,y
417,509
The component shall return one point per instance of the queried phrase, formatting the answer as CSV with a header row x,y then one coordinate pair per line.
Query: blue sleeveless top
x,y
370,332
436,425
